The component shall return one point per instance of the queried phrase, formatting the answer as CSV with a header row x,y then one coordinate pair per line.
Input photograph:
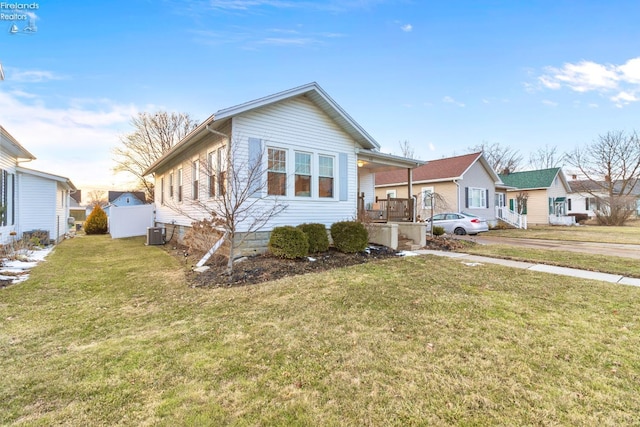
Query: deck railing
x,y
391,209
511,217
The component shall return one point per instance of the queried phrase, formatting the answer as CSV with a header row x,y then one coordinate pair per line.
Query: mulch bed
x,y
262,268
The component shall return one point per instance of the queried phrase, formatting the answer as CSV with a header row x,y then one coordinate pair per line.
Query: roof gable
x,y
446,169
114,195
311,91
542,178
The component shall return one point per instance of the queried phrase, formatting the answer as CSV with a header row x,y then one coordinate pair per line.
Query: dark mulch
x,y
263,268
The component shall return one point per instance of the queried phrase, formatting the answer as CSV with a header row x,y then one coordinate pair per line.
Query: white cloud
x,y
74,141
589,76
30,76
450,100
407,28
549,103
432,147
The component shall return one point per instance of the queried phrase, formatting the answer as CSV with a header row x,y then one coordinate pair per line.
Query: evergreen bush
x,y
349,236
438,231
288,242
317,235
96,223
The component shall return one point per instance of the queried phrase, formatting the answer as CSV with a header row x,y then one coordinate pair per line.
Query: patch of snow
x,y
472,264
18,270
407,253
201,269
311,259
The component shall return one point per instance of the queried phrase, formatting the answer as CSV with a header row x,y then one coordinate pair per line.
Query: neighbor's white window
x,y
427,194
276,172
477,197
325,176
171,185
391,194
303,175
222,170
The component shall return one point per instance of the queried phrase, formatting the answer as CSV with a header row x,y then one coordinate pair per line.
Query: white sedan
x,y
459,223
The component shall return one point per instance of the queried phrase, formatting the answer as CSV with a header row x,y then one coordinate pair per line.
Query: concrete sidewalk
x,y
564,271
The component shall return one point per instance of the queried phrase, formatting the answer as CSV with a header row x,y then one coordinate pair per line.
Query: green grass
x,y
628,267
629,234
106,332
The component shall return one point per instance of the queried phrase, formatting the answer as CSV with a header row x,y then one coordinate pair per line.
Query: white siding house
x,y
30,199
43,202
311,156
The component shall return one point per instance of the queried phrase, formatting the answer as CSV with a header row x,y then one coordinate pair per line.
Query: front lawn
x,y
106,332
628,234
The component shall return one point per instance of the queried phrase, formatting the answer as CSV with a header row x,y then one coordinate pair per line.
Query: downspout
x,y
455,181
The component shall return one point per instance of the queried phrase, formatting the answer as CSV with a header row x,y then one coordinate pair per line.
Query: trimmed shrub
x,y
96,223
288,242
349,236
438,231
317,235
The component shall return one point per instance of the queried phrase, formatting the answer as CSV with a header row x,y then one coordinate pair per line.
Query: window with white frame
x,y
180,184
195,178
325,176
391,194
427,197
302,176
211,169
222,170
162,190
477,198
171,185
276,172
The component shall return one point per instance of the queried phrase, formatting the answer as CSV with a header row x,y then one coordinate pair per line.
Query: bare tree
x,y
97,198
154,134
521,201
545,158
611,166
241,206
501,158
407,150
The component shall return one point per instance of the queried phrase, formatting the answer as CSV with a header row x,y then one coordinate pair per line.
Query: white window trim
x,y
483,191
424,190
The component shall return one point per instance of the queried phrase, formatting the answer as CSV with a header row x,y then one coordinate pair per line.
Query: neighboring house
x,y
546,193
315,159
43,202
29,199
125,198
585,196
79,213
461,183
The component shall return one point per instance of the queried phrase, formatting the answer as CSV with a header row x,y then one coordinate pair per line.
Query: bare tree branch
x,y
545,158
154,134
501,158
611,166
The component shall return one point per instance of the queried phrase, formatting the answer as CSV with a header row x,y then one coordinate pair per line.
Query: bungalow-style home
x,y
453,184
307,153
31,201
541,195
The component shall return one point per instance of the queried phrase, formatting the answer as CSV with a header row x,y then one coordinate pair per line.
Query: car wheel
x,y
460,231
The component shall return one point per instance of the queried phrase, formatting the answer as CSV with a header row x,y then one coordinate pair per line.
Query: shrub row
x,y
297,242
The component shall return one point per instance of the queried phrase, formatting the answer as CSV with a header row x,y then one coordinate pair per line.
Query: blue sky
x,y
444,75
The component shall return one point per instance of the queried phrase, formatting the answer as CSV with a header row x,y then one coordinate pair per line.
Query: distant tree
x,y
545,158
154,134
407,150
501,158
97,198
611,166
96,222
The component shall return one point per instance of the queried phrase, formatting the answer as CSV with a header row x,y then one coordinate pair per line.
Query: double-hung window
x,y
162,190
195,178
211,169
325,176
427,196
180,184
303,175
222,170
171,185
276,172
477,198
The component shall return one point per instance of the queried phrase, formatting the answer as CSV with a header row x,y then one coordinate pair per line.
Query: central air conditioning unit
x,y
156,235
